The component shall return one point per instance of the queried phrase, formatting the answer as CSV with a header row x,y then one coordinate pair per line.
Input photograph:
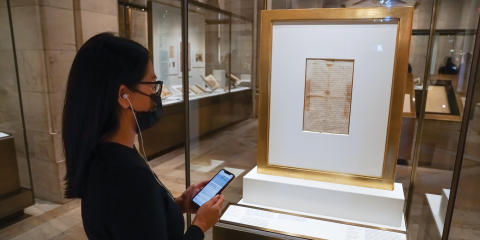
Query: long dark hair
x,y
91,111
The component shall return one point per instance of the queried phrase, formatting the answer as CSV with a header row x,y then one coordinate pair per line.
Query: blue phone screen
x,y
212,188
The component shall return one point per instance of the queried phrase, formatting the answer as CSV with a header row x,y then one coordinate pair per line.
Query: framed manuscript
x,y
332,89
328,95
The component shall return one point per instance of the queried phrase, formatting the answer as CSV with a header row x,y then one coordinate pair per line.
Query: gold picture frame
x,y
403,16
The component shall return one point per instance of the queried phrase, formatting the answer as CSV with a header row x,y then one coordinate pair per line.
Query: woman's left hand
x,y
185,201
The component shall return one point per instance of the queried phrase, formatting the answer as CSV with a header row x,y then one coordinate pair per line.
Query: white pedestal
x,y
328,199
475,123
434,202
444,203
300,225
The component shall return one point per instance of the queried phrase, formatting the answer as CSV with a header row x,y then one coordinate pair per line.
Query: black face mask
x,y
147,119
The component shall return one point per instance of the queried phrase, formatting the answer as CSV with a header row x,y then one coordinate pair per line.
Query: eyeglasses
x,y
158,87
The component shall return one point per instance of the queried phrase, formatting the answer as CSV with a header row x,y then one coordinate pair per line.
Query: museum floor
x,y
235,149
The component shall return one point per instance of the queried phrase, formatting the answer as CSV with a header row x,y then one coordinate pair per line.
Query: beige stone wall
x,y
47,36
10,115
93,17
45,44
139,27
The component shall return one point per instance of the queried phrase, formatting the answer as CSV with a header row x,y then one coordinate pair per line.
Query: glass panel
x,y
209,58
133,23
138,30
417,57
209,41
14,163
166,52
437,147
242,49
456,22
121,21
418,51
466,215
416,73
138,2
222,134
164,142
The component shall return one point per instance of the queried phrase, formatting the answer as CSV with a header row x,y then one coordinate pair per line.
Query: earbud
x,y
144,156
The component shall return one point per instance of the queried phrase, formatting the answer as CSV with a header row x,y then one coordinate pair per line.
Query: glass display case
x,y
221,125
219,57
219,74
216,131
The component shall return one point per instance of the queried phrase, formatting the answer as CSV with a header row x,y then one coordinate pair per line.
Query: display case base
x,y
16,202
222,231
240,221
444,203
335,201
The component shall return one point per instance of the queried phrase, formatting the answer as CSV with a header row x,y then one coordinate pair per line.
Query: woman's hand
x,y
209,213
185,201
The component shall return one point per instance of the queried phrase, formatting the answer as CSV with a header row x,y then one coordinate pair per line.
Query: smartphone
x,y
214,187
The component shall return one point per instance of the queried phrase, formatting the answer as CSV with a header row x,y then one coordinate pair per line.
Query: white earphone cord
x,y
144,156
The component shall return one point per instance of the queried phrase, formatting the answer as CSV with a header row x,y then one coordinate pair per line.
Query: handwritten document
x,y
328,96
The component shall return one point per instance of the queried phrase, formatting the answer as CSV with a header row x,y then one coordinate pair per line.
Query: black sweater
x,y
123,200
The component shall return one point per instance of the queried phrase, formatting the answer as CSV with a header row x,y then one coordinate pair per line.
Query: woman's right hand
x,y
209,213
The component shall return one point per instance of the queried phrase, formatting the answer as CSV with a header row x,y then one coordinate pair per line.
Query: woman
x,y
448,68
111,90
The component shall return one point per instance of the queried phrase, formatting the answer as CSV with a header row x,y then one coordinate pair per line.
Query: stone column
x,y
45,44
93,17
47,36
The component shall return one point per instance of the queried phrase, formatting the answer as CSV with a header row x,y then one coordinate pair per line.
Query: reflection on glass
x,y
132,22
302,4
222,135
166,50
466,215
446,81
241,54
450,65
418,51
209,40
138,26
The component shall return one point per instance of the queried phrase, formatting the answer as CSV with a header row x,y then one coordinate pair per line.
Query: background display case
x,y
219,69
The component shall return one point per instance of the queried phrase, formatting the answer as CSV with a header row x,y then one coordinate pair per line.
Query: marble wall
x,y
48,34
41,37
139,27
10,114
95,16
